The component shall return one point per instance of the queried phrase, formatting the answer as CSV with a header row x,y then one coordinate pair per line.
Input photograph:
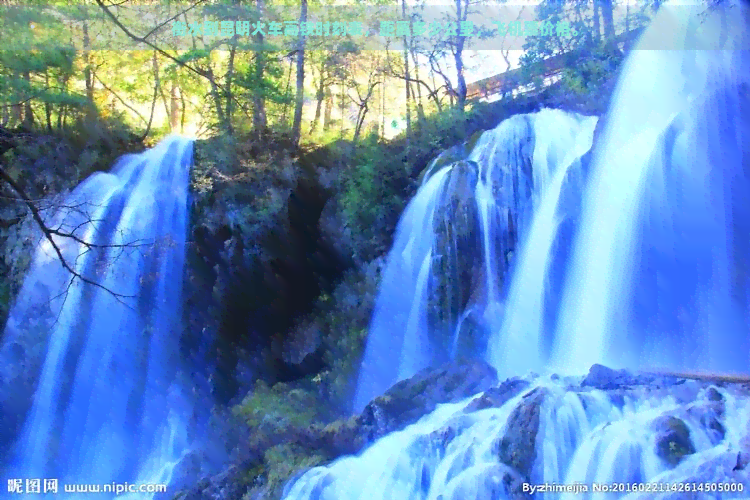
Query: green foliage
x,y
343,317
283,461
592,70
277,409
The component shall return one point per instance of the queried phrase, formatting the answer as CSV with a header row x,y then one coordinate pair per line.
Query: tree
x,y
300,90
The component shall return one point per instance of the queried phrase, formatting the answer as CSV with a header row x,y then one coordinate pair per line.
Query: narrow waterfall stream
x,y
107,408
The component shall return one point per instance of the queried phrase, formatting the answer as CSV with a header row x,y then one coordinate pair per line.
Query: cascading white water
x,y
658,276
412,253
517,346
658,272
585,436
106,408
491,196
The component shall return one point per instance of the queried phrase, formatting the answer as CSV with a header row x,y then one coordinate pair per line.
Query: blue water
x,y
106,408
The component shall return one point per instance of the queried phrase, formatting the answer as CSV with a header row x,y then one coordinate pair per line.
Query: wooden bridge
x,y
547,69
513,79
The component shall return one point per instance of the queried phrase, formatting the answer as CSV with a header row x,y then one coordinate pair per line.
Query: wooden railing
x,y
513,79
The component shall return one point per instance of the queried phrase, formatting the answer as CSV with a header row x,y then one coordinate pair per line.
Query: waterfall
x,y
518,345
658,274
646,268
107,408
450,262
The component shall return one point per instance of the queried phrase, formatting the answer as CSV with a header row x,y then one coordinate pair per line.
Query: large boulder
x,y
518,447
496,397
409,400
673,441
403,404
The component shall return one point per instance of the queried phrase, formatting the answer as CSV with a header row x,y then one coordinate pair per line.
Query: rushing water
x,y
638,259
585,437
106,408
456,239
659,271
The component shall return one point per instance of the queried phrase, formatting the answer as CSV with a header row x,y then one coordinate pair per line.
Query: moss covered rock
x,y
673,441
410,399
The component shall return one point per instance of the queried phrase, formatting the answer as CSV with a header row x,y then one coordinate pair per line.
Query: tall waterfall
x,y
646,268
106,408
450,261
659,274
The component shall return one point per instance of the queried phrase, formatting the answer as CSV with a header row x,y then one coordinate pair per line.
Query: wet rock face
x,y
495,397
410,399
673,441
604,378
457,238
260,254
229,485
518,447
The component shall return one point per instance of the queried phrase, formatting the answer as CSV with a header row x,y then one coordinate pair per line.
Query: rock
x,y
333,228
457,239
410,399
228,485
712,394
185,474
302,343
342,437
495,397
517,448
709,415
605,378
673,439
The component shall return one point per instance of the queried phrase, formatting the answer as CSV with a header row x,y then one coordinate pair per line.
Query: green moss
x,y
675,442
285,460
278,408
472,142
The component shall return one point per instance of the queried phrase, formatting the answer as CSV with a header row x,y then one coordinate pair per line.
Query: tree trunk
x,y
382,109
228,85
360,121
61,112
328,110
174,107
87,72
458,58
627,17
155,65
438,103
406,74
300,92
183,110
420,108
217,99
319,97
259,104
607,17
342,101
47,105
597,27
28,113
287,93
159,86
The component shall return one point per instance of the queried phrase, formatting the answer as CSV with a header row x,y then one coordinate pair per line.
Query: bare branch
x,y
48,234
